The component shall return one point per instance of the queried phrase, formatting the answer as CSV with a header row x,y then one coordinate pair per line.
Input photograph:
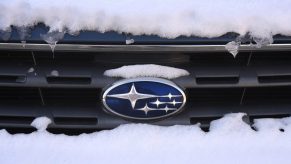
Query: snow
x,y
41,123
170,19
146,70
259,20
55,73
230,140
129,41
30,70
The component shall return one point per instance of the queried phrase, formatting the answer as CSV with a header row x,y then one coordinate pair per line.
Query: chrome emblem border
x,y
135,96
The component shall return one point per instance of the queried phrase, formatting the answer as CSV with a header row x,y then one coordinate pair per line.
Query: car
x,y
68,84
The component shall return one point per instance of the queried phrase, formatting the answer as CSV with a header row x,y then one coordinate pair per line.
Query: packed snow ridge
x,y
146,70
170,19
230,140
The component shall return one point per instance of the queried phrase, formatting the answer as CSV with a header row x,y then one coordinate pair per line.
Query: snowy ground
x,y
230,140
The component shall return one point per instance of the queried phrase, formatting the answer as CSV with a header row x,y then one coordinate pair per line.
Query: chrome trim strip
x,y
137,48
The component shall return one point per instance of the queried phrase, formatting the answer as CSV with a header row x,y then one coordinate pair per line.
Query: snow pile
x,y
41,123
146,70
170,19
230,140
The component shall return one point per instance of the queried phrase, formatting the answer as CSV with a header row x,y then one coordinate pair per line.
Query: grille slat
x,y
217,80
275,79
68,80
12,78
16,120
75,120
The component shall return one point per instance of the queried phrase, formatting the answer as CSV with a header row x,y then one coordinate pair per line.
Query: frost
x,y
41,123
52,39
55,73
146,70
233,47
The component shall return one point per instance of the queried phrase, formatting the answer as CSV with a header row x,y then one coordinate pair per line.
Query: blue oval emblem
x,y
144,98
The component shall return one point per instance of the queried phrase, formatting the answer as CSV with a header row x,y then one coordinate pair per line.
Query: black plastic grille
x,y
256,83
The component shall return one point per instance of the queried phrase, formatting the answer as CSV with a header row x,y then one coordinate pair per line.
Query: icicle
x,y
233,47
52,39
260,42
24,32
23,43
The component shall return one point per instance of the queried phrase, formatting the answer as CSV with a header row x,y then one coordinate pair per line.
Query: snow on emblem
x,y
144,98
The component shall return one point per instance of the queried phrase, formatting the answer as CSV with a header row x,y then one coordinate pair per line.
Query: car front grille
x,y
68,87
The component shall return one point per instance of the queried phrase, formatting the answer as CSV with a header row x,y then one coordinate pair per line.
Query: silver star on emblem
x,y
146,109
174,102
133,96
157,102
167,109
170,96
